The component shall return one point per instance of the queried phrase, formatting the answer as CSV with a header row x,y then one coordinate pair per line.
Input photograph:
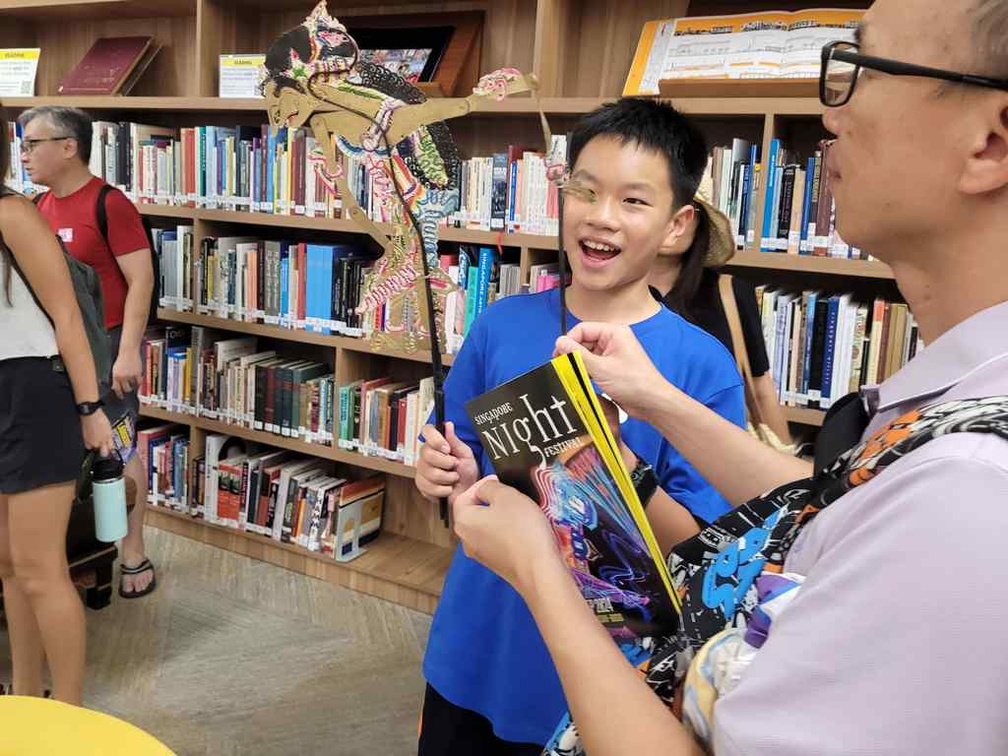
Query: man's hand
x,y
127,372
506,532
617,363
446,466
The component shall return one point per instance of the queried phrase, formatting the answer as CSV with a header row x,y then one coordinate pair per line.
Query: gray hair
x,y
71,122
990,33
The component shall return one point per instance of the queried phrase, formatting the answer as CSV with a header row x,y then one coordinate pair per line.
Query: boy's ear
x,y
677,232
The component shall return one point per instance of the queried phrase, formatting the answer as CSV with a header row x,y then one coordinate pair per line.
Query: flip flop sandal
x,y
142,567
7,689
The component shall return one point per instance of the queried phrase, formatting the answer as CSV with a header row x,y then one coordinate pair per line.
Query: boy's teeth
x,y
599,247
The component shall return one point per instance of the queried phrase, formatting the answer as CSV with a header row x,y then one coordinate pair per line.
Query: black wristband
x,y
89,408
645,482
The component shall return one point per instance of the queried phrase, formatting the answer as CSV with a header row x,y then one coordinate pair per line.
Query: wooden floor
x,y
234,656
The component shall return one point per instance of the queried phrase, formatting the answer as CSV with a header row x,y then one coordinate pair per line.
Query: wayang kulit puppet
x,y
314,77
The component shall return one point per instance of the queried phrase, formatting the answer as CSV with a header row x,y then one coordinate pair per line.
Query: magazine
x,y
763,45
547,436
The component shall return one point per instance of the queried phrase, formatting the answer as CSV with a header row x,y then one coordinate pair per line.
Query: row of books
x,y
383,418
731,181
823,347
274,493
799,214
292,284
248,168
317,287
509,191
202,372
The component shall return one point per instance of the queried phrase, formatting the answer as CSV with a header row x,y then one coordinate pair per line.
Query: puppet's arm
x,y
325,143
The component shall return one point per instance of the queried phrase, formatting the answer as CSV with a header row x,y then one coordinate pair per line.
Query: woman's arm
x,y
615,711
40,258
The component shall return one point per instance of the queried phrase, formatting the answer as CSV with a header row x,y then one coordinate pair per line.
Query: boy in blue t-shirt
x,y
636,164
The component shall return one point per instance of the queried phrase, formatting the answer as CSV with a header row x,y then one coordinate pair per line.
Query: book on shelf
x,y
379,417
273,493
547,436
799,211
822,346
249,169
508,191
164,453
231,380
762,45
731,183
109,66
318,287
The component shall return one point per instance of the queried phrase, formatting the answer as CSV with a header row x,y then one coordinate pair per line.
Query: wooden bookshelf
x,y
377,464
579,49
292,334
404,570
829,266
803,416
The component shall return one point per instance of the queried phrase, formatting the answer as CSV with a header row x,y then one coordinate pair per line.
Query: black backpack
x,y
101,216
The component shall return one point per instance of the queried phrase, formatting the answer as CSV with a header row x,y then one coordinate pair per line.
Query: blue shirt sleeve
x,y
466,380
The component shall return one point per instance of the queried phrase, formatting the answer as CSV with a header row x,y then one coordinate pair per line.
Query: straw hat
x,y
721,247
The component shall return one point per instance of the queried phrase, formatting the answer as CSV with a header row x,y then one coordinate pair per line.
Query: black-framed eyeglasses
x,y
28,145
842,64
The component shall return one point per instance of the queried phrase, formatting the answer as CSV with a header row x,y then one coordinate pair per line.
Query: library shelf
x,y
742,259
348,343
396,568
81,10
810,264
337,225
804,416
378,464
511,107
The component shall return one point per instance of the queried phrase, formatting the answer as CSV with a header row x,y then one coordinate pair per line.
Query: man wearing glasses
x,y
56,148
894,641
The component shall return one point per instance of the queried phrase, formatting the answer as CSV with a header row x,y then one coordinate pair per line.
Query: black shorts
x,y
450,730
40,432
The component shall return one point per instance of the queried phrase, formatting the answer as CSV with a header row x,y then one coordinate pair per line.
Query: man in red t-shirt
x,y
56,149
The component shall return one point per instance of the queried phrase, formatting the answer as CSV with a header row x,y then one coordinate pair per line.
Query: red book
x,y
401,430
106,66
302,266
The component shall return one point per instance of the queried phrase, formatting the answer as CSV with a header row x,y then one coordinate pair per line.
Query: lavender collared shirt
x,y
898,641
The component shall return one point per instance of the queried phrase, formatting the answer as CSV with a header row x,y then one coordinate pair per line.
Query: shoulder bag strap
x,y
731,312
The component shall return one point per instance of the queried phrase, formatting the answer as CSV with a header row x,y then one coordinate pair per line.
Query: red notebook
x,y
106,66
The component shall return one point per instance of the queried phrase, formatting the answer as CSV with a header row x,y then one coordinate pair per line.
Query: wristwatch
x,y
89,408
645,482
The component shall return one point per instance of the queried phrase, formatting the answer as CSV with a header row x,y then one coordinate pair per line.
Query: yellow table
x,y
43,727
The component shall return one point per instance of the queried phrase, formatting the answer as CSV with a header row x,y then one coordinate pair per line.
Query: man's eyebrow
x,y
581,173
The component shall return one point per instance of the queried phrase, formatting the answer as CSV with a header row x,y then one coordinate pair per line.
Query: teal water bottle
x,y
108,491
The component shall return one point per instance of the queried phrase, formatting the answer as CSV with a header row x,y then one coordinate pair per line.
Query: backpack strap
x,y
101,212
38,197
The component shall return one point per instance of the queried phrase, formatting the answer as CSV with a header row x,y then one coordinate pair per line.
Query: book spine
x,y
771,163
